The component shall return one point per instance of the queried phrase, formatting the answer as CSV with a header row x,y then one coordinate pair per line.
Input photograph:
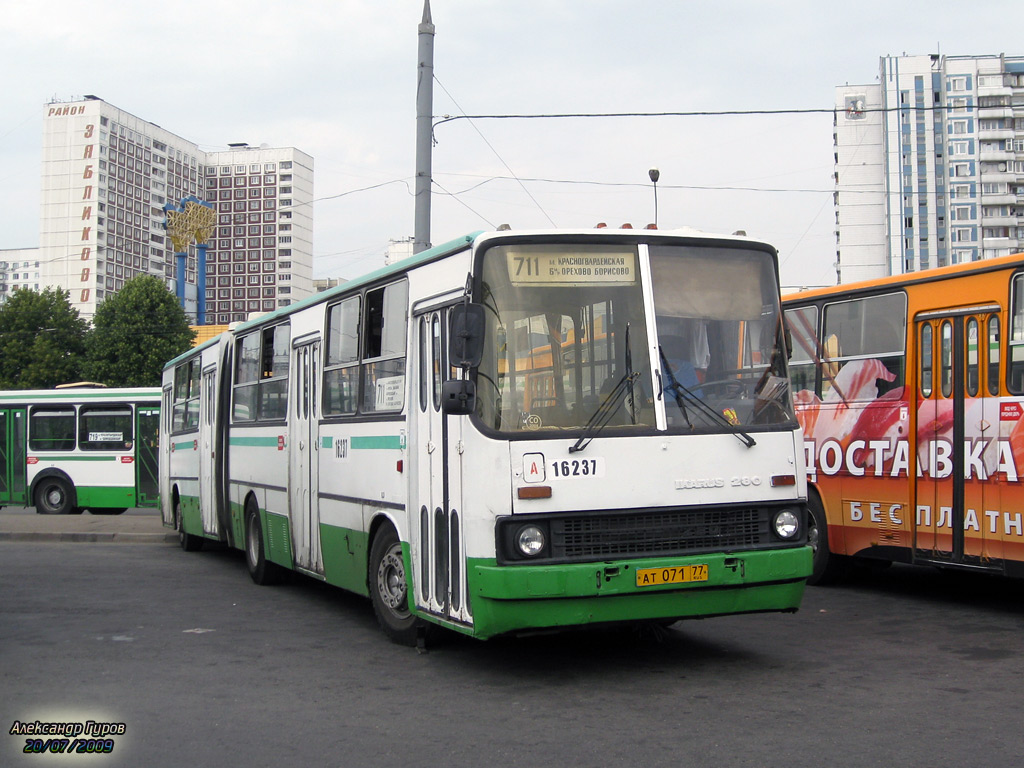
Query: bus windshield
x,y
567,337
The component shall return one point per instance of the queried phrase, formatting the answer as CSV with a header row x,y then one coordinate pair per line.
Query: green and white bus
x,y
70,449
499,435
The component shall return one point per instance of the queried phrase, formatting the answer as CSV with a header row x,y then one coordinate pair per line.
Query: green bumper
x,y
518,597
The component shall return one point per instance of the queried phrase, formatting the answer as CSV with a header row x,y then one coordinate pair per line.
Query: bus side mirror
x,y
789,343
458,397
466,341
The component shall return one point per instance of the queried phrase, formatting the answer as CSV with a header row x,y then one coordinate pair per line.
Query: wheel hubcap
x,y
812,537
252,543
54,497
391,580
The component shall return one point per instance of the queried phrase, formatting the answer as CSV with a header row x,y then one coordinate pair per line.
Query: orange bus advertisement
x,y
911,398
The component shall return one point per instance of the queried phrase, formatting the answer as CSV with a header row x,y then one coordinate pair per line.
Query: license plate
x,y
672,574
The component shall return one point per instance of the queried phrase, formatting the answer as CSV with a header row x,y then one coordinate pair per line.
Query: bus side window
x,y
105,428
973,351
1015,359
385,319
868,329
803,327
993,355
341,363
261,376
273,388
247,374
946,358
926,360
52,429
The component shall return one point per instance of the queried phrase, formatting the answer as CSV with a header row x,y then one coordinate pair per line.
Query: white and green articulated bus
x,y
508,432
67,450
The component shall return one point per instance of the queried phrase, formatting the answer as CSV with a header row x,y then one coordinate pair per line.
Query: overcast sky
x,y
337,79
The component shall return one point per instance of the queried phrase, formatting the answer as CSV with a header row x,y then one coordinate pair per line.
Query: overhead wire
x,y
952,108
463,203
500,158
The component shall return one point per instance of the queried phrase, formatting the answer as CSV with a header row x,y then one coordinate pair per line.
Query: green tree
x,y
42,340
135,331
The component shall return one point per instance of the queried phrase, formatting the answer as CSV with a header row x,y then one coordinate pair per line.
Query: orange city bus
x,y
910,392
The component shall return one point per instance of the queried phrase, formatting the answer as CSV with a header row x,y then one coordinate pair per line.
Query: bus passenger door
x,y
303,451
208,450
437,551
957,433
166,505
147,455
12,457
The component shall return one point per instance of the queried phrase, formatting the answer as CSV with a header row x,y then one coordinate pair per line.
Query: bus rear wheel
x,y
261,570
389,589
53,497
189,542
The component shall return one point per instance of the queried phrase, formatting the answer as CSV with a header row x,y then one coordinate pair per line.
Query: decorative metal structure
x,y
192,221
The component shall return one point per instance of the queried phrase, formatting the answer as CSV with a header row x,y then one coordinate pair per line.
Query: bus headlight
x,y
530,540
787,524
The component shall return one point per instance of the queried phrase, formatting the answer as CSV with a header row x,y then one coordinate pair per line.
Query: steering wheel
x,y
726,388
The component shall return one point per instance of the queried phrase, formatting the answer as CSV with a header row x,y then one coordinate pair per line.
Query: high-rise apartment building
x,y
106,177
260,256
19,268
929,164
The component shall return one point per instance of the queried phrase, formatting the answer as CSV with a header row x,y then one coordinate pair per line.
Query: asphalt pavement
x,y
136,526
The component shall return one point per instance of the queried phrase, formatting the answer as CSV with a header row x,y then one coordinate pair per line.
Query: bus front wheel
x,y
389,589
53,497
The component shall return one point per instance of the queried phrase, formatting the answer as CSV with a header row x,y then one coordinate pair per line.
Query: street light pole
x,y
655,174
424,114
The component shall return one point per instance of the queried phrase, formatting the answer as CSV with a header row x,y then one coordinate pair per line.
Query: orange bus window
x,y
973,385
1015,330
946,361
993,355
926,360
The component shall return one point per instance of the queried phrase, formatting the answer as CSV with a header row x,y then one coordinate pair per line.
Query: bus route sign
x,y
537,268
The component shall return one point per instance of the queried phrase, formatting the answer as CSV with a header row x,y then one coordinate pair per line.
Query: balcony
x,y
998,175
1006,198
1001,220
988,155
994,90
995,134
989,243
986,113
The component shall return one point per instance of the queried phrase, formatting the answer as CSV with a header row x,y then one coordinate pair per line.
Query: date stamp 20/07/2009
x,y
75,737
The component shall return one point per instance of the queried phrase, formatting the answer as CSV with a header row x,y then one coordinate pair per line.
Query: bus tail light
x,y
778,480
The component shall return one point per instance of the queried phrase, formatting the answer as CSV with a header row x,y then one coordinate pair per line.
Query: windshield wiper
x,y
605,411
682,392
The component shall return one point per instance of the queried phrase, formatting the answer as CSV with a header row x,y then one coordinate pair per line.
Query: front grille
x,y
580,537
655,533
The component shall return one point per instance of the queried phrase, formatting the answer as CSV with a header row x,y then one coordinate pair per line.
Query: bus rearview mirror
x,y
466,341
458,397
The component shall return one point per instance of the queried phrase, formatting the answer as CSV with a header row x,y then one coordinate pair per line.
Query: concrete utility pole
x,y
424,115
